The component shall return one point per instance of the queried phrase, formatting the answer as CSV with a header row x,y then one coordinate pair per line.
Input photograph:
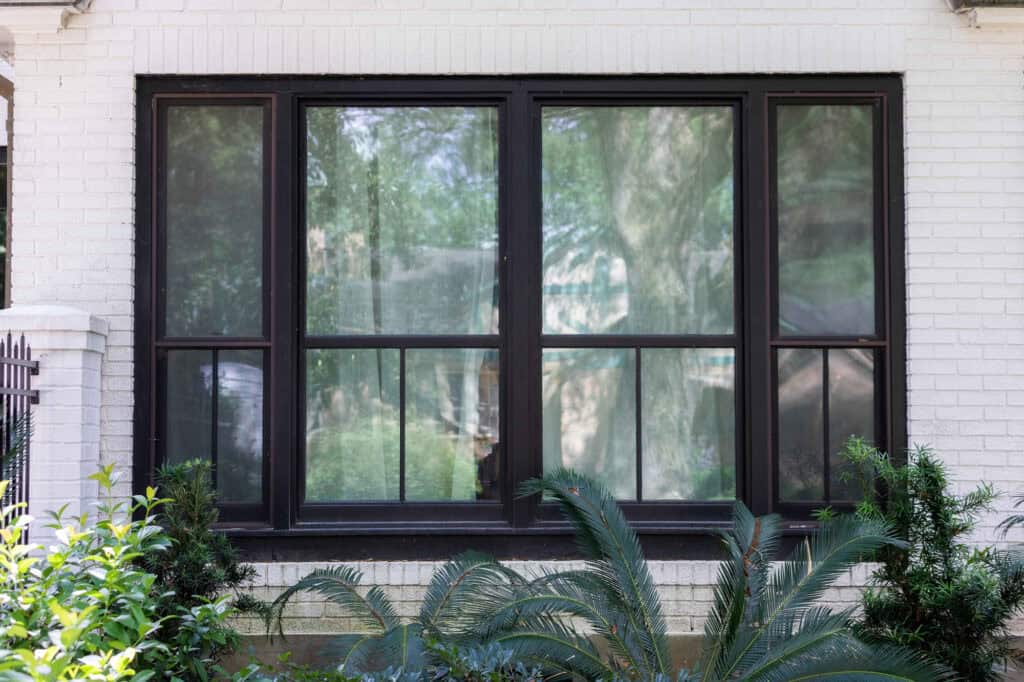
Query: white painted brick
x,y
74,165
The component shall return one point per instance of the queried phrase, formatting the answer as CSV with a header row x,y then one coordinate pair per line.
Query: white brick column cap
x,y
56,327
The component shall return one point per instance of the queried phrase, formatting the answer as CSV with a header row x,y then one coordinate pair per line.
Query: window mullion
x,y
756,257
521,333
284,363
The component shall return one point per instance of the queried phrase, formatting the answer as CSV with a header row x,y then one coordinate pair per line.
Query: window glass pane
x,y
352,417
801,427
826,220
688,426
851,410
402,220
189,403
451,430
638,220
240,425
214,221
590,415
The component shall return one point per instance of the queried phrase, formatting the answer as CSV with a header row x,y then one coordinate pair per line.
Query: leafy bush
x,y
936,594
85,610
194,571
764,625
88,609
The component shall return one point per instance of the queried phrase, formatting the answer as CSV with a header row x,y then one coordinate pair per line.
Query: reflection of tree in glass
x,y
401,220
638,220
638,238
352,424
689,424
825,213
401,216
214,260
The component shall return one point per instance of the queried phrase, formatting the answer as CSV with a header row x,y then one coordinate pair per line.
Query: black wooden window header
x,y
378,305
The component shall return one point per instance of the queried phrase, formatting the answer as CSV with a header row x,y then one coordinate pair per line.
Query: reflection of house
x,y
832,251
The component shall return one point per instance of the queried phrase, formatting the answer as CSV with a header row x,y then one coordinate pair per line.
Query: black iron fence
x,y
16,399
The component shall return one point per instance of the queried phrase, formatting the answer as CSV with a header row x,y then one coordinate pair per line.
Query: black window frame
x,y
282,528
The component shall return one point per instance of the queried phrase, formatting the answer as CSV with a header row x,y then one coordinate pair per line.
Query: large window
x,y
378,306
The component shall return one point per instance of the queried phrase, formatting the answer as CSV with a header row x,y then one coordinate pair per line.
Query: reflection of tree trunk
x,y
659,175
373,205
373,208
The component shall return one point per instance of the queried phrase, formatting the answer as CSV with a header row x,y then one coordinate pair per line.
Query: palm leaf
x,y
340,585
555,645
466,591
846,659
815,631
569,595
359,651
801,580
750,544
614,556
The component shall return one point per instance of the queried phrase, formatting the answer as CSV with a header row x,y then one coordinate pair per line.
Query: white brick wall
x,y
685,588
74,173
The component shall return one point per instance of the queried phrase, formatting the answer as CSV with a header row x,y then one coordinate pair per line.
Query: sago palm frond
x,y
614,557
846,659
1013,520
465,592
400,647
799,582
575,595
815,633
741,579
340,585
556,645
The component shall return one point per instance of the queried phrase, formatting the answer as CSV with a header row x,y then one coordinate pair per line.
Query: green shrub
x,y
765,624
936,594
88,608
194,572
85,610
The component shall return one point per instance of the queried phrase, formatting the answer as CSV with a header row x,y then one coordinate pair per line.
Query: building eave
x,y
79,5
990,13
44,15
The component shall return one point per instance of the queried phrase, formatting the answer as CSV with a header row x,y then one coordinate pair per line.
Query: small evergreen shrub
x,y
197,569
937,594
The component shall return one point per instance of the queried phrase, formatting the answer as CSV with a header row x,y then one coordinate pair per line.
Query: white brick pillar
x,y
65,449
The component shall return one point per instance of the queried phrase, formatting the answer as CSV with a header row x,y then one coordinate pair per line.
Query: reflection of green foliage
x,y
388,189
214,220
826,257
714,483
645,193
361,463
653,187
